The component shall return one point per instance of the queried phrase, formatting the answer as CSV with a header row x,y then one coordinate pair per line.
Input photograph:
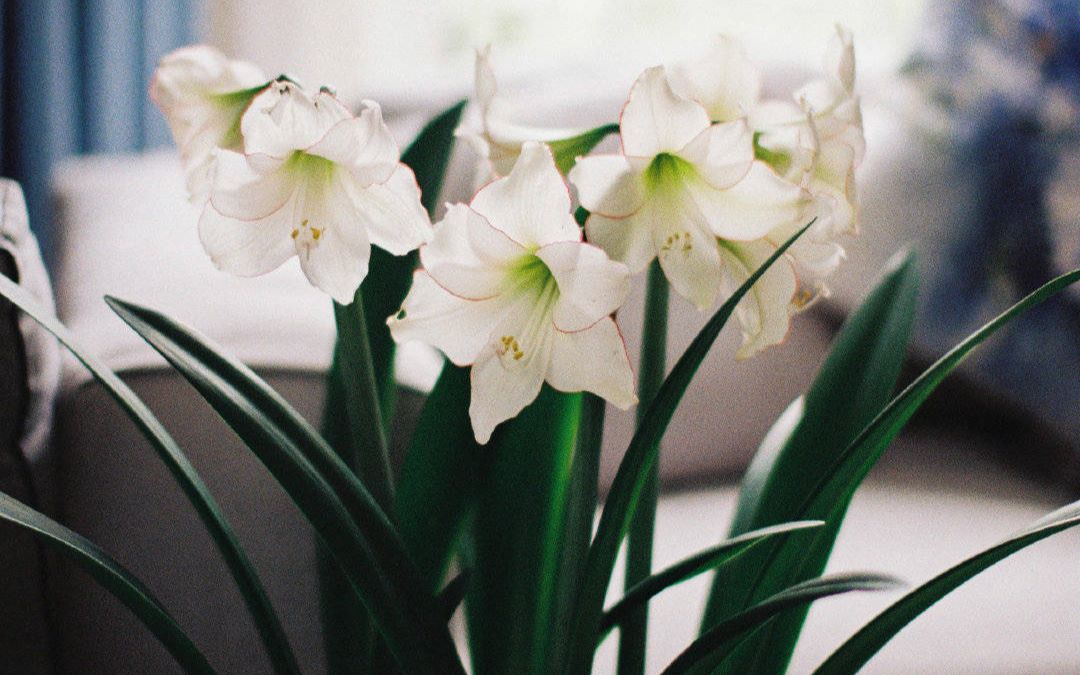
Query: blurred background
x,y
972,112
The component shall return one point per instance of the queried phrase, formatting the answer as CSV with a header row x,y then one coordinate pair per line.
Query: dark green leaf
x,y
452,595
361,538
112,577
830,495
854,384
854,653
710,558
726,635
581,496
251,589
634,470
516,535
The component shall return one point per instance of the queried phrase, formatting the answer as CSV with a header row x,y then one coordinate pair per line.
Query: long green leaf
x,y
439,478
854,653
688,568
854,384
830,495
114,578
516,535
251,589
634,470
366,548
727,634
581,498
567,150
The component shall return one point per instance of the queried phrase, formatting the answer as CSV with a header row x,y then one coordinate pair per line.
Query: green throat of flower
x,y
666,173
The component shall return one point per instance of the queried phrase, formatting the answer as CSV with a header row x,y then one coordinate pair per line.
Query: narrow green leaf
x,y
438,482
854,653
367,548
634,470
516,535
114,578
833,491
686,569
389,276
567,150
727,634
183,472
633,631
581,498
854,384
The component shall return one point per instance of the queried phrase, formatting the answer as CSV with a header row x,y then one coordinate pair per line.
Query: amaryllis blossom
x,y
316,182
494,136
509,287
203,95
682,187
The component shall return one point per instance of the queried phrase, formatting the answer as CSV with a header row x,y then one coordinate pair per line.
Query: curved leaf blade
x,y
113,577
183,472
727,634
366,551
830,495
690,567
855,382
854,653
634,470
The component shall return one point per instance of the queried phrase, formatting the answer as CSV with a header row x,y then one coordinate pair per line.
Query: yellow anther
x,y
295,233
316,233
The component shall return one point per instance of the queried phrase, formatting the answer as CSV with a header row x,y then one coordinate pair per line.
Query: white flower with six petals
x,y
203,95
509,287
316,182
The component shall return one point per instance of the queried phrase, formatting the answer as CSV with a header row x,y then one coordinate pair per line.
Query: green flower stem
x,y
640,542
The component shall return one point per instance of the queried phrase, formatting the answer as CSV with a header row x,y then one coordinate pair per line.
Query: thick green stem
x,y
639,547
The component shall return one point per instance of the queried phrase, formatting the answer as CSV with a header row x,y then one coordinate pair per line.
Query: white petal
x,y
655,120
468,256
840,58
593,360
246,248
431,314
391,212
722,154
508,374
532,204
240,192
591,286
724,80
484,74
280,120
760,202
330,240
628,240
363,145
607,185
688,254
764,314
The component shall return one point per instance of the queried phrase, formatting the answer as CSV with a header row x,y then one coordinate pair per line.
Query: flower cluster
x,y
710,180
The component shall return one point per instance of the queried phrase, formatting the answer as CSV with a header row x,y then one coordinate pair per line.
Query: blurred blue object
x,y
74,77
1006,78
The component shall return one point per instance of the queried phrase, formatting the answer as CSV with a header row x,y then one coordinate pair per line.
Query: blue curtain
x,y
74,80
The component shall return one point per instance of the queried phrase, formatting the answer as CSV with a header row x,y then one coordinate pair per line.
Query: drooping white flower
x,y
203,94
494,136
724,80
509,287
681,184
316,182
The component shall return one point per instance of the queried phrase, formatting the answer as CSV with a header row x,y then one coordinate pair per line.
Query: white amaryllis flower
x,y
203,94
494,136
508,287
723,80
681,184
316,182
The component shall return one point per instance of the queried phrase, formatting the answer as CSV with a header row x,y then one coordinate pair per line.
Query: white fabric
x,y
42,351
